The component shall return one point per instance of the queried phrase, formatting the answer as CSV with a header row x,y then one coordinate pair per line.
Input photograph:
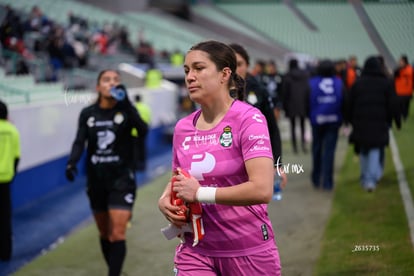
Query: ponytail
x,y
237,87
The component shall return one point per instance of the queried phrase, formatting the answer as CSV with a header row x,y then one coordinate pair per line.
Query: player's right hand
x,y
71,172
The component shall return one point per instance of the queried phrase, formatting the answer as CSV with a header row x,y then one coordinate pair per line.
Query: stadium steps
x,y
165,24
395,23
340,31
258,44
213,14
301,16
18,89
373,33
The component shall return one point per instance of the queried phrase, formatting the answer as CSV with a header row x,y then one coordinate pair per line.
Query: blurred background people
x,y
9,159
372,107
140,142
295,101
257,95
273,82
404,84
326,107
352,72
105,129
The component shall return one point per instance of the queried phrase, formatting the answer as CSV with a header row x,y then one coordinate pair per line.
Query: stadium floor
x,y
58,214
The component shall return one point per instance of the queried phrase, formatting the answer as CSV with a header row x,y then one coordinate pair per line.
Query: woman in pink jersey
x,y
225,147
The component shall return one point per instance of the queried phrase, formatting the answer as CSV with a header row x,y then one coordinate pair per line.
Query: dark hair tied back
x,y
237,87
223,56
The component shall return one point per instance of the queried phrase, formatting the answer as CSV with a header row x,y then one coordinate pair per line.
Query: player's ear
x,y
226,73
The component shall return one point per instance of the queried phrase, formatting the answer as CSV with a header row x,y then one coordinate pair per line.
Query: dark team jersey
x,y
107,134
257,96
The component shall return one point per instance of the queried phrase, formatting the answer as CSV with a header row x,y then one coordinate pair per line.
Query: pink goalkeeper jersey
x,y
216,158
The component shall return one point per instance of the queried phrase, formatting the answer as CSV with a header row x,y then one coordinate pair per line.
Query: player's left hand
x,y
186,187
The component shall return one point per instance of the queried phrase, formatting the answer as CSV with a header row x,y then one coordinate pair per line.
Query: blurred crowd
x,y
280,84
34,35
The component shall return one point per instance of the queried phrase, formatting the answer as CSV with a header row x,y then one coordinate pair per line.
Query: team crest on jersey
x,y
226,138
119,118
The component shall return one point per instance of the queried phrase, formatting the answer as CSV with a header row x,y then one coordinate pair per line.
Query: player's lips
x,y
193,88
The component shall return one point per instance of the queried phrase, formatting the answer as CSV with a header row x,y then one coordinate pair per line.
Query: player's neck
x,y
105,103
213,114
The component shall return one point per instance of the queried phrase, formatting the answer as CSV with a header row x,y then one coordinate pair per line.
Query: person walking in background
x,y
372,107
259,70
404,85
177,58
384,67
106,127
9,159
225,146
274,82
257,95
295,101
326,115
340,69
352,72
140,145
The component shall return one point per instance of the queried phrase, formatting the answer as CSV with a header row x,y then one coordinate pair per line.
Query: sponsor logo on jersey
x,y
105,138
226,138
258,137
200,140
257,117
91,122
129,198
209,139
104,123
185,143
95,159
202,163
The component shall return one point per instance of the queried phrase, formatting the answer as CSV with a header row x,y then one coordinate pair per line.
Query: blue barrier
x,y
40,224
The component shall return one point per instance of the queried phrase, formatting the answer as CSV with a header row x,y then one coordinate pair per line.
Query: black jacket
x,y
296,92
372,106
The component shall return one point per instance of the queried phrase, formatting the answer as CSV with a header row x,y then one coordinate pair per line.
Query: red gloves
x,y
191,211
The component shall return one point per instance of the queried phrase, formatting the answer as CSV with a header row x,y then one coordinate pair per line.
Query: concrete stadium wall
x,y
47,131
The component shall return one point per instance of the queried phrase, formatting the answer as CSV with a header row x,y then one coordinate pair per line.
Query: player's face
x,y
201,76
108,80
242,66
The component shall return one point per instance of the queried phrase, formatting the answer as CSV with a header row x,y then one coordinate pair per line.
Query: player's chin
x,y
197,98
107,96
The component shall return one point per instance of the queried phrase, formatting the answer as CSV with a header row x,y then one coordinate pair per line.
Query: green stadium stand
x,y
395,23
17,89
218,16
339,34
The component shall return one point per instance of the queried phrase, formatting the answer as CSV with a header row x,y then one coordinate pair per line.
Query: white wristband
x,y
206,195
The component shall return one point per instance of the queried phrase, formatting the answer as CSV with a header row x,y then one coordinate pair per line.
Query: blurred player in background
x,y
106,127
9,159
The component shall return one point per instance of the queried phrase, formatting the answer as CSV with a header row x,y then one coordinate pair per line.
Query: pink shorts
x,y
189,263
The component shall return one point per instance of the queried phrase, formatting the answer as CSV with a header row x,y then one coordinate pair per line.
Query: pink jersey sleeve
x,y
255,139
